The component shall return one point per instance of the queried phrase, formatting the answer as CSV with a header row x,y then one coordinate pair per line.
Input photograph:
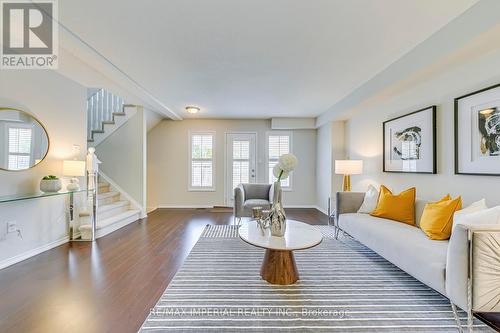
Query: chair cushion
x,y
256,203
256,191
404,245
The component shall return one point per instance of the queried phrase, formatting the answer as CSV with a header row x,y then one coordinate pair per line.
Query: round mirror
x,y
24,142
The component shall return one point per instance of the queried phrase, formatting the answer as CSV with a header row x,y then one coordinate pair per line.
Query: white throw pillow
x,y
370,201
486,216
472,208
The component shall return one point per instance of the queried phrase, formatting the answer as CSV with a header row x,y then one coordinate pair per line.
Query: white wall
x,y
123,157
324,166
59,104
168,162
330,147
364,131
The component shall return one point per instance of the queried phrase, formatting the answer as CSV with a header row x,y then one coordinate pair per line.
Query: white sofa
x,y
442,265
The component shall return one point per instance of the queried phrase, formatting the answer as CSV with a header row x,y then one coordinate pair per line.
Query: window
x,y
278,144
19,148
202,162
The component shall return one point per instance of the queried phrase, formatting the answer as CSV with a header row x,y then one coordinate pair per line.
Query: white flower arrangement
x,y
286,164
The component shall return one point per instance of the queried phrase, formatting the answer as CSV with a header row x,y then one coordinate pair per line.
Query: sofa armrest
x,y
239,200
457,261
348,202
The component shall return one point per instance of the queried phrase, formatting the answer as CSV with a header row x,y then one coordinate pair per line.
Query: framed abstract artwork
x,y
477,133
410,142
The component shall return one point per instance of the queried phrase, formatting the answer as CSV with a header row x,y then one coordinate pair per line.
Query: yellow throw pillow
x,y
399,207
437,219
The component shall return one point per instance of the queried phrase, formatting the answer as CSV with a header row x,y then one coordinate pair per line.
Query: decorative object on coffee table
x,y
477,133
277,217
278,266
50,184
410,142
348,168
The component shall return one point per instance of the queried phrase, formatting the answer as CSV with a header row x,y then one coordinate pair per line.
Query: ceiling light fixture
x,y
192,109
486,111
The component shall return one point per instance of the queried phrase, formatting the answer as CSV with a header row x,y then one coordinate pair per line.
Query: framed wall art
x,y
477,133
410,142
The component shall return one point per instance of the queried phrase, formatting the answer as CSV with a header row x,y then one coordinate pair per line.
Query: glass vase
x,y
277,217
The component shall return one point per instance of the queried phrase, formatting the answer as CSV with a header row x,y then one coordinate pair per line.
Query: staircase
x,y
106,112
113,212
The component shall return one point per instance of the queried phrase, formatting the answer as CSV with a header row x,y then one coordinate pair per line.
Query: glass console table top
x,y
35,195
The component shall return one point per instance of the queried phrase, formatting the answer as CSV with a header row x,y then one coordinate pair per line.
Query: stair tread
x,y
113,219
107,194
116,204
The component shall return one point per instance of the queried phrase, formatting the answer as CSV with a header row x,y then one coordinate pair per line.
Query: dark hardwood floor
x,y
111,285
108,286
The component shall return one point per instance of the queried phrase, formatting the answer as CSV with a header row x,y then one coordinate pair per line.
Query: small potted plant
x,y
50,184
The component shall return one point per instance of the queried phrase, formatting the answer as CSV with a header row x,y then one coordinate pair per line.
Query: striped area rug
x,y
343,287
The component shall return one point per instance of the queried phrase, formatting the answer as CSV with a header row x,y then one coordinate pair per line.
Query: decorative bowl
x,y
49,186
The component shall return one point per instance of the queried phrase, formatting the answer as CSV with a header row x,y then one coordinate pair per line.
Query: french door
x,y
240,162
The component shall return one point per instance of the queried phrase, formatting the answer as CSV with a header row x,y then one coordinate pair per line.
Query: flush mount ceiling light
x,y
192,109
487,111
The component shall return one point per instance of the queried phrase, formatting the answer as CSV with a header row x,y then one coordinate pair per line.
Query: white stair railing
x,y
102,107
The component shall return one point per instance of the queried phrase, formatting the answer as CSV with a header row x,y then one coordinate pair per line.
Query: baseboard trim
x,y
115,226
185,206
321,210
151,209
211,206
299,206
31,253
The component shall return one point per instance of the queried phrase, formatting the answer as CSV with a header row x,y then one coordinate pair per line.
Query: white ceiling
x,y
255,58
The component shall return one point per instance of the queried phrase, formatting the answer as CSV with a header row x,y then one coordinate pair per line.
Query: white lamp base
x,y
74,185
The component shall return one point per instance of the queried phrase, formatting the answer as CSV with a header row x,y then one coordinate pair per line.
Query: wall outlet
x,y
11,227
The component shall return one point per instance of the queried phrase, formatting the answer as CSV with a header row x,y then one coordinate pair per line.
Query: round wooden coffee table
x,y
278,266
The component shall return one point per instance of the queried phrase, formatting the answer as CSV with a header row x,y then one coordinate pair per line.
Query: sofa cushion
x,y
404,245
256,203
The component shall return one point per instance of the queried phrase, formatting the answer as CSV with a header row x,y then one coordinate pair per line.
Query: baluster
x,y
98,105
121,104
109,106
101,108
117,104
105,109
89,118
95,100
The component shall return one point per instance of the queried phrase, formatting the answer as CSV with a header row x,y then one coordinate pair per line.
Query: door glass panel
x,y
241,163
241,173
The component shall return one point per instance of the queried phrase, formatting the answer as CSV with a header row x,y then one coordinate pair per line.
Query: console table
x,y
39,195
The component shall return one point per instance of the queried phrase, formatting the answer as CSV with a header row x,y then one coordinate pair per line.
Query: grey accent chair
x,y
247,196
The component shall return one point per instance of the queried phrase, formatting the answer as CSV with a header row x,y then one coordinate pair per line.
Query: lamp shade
x,y
348,167
74,168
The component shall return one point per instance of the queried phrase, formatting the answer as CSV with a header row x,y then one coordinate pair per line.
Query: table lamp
x,y
74,169
348,168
